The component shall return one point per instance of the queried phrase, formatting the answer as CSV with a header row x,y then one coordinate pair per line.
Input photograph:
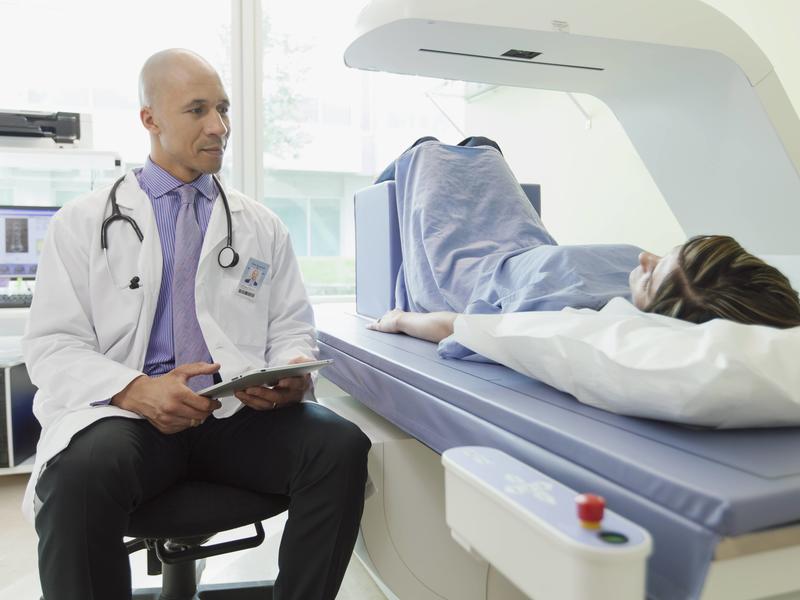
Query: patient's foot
x,y
388,323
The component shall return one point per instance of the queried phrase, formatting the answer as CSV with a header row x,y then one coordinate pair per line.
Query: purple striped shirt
x,y
161,188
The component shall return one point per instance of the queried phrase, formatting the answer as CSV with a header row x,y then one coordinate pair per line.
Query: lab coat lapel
x,y
135,203
217,232
216,235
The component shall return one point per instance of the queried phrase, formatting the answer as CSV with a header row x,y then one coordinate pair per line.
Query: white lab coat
x,y
88,331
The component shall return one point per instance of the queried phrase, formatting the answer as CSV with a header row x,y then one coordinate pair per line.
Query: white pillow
x,y
718,374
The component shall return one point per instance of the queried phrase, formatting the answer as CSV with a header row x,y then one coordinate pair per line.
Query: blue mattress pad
x,y
689,487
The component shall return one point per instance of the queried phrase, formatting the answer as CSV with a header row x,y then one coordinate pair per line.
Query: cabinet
x,y
19,429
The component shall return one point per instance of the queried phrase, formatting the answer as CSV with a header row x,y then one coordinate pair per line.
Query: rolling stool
x,y
173,526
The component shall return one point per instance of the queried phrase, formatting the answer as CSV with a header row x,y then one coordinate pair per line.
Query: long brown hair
x,y
717,278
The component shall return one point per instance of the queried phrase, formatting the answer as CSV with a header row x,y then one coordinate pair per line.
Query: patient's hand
x,y
388,323
433,327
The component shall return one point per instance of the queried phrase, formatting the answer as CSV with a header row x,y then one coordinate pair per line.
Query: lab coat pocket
x,y
251,328
117,320
242,318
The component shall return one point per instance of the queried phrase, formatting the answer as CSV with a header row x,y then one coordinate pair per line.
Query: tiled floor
x,y
19,578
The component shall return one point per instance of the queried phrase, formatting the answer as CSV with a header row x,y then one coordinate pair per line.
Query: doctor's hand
x,y
287,391
166,401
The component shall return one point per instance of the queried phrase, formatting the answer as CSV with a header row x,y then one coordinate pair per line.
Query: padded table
x,y
689,487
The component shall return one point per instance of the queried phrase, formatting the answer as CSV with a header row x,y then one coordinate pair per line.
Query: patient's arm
x,y
433,327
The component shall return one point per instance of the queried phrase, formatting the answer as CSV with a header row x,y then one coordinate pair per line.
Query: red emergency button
x,y
590,510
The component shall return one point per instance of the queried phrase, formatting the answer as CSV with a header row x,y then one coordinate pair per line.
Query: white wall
x,y
595,188
775,26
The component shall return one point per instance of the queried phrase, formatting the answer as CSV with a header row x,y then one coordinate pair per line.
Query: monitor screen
x,y
22,232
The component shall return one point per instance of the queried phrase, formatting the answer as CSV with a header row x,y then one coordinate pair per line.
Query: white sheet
x,y
718,374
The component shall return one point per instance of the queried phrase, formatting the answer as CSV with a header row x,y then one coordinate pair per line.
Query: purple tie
x,y
189,343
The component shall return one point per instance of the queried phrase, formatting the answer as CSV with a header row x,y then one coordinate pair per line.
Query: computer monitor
x,y
22,232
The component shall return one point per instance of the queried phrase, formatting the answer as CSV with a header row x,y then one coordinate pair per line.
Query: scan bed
x,y
703,495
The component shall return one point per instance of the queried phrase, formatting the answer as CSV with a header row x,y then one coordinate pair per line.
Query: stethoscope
x,y
227,257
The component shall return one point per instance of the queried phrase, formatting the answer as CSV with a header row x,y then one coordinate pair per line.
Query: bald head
x,y
184,108
168,68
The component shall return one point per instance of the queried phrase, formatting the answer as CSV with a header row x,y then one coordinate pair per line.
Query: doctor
x,y
124,330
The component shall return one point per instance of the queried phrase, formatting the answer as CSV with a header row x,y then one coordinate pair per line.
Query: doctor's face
x,y
189,123
651,272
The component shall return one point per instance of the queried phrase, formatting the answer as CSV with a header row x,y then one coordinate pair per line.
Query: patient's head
x,y
712,277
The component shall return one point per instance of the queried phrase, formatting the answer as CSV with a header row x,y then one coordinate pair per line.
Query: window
x,y
95,73
315,228
314,224
323,221
294,214
329,130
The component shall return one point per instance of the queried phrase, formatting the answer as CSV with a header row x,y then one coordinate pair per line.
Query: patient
x,y
471,243
708,277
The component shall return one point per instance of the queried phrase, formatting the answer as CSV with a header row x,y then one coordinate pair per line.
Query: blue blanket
x,y
471,242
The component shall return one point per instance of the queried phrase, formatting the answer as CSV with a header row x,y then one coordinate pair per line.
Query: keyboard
x,y
15,300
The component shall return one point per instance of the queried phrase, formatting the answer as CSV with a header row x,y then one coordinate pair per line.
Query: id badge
x,y
254,277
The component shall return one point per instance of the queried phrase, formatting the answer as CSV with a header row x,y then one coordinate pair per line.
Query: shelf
x,y
25,467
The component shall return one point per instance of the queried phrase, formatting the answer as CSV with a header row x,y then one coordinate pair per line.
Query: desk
x,y
13,320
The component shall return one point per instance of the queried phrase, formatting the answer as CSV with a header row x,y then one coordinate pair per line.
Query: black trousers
x,y
303,451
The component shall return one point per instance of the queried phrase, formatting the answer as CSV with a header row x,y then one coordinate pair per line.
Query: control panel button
x,y
590,510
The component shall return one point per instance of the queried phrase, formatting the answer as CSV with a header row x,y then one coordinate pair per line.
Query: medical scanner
x,y
708,116
494,503
722,507
699,100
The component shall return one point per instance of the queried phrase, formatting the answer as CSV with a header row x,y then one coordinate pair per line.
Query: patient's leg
x,y
388,173
434,326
